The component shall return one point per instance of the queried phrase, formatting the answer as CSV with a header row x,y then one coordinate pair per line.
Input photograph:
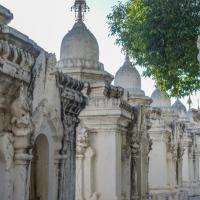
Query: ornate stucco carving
x,y
20,110
124,105
84,166
16,55
113,91
21,127
70,91
82,141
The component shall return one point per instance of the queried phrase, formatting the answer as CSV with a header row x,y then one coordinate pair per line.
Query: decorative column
x,y
135,150
171,156
139,158
197,152
67,169
6,156
79,177
148,142
82,144
22,129
84,166
72,102
190,156
181,151
175,163
185,168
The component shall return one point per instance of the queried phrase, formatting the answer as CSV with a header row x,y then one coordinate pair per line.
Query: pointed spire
x,y
189,102
127,60
80,7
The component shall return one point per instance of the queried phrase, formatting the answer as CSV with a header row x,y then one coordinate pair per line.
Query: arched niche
x,y
39,169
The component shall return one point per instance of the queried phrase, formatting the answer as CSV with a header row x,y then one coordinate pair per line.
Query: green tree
x,y
161,36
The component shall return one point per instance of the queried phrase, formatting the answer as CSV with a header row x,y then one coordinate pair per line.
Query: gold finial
x,y
80,7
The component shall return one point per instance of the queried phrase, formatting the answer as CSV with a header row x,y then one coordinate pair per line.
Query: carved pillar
x,y
175,166
185,168
180,164
72,102
147,167
147,145
22,129
135,150
190,156
140,148
67,169
197,164
88,172
81,145
6,164
126,169
79,177
171,159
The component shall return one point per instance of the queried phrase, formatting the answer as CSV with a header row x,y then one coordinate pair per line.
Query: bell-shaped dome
x,y
179,108
79,43
79,53
129,78
160,99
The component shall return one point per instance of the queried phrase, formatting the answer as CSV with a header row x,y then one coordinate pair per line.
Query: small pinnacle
x,y
189,102
80,7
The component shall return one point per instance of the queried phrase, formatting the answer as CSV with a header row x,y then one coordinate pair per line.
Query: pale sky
x,y
47,21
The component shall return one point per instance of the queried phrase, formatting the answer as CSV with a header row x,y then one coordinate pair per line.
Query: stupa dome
x,y
79,43
79,52
160,99
129,78
179,108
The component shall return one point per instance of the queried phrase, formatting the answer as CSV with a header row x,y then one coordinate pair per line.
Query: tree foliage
x,y
161,36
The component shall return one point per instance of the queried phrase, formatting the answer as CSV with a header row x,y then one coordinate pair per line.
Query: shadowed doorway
x,y
39,170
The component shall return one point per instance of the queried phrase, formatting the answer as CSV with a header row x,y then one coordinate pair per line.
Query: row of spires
x,y
127,76
87,49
